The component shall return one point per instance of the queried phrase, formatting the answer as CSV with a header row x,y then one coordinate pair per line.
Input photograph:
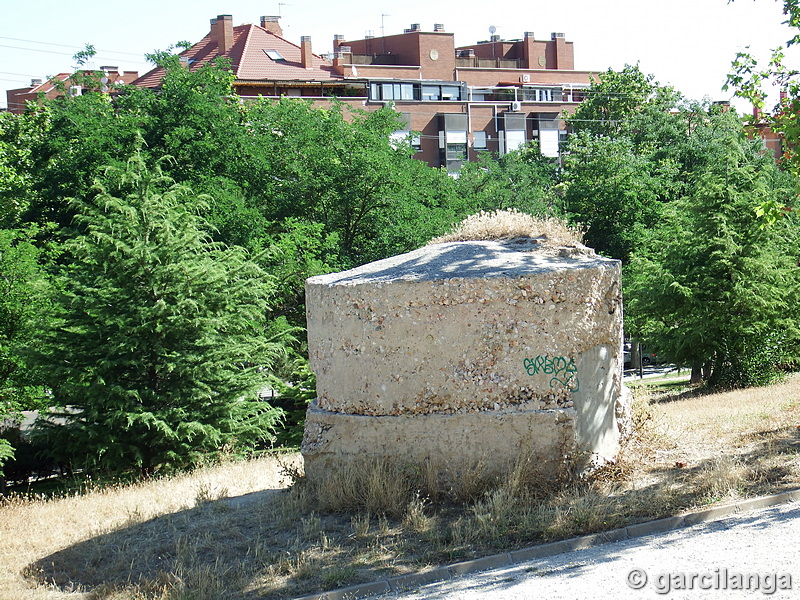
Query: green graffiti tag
x,y
563,369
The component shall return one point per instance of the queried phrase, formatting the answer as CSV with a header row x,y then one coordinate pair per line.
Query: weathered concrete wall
x,y
466,350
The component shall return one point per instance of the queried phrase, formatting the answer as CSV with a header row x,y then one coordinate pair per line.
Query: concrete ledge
x,y
613,535
449,444
480,564
642,529
362,590
416,580
767,501
712,514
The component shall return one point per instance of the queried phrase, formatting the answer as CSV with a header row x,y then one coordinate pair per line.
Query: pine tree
x,y
714,290
160,346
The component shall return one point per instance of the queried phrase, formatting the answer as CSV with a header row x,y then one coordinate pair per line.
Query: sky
x,y
688,44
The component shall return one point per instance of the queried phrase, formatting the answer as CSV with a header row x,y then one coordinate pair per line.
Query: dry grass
x,y
510,224
34,528
220,533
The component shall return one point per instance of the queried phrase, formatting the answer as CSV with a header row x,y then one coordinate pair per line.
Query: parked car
x,y
649,357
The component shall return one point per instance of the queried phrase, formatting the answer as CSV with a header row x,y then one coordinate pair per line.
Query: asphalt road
x,y
653,371
757,552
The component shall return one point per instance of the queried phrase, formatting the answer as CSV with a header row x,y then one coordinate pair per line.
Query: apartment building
x,y
492,96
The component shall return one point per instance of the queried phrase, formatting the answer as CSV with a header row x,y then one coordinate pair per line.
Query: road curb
x,y
506,559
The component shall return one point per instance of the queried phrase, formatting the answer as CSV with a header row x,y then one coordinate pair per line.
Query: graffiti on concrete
x,y
562,368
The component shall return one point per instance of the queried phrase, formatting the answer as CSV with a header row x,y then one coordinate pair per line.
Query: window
x,y
479,140
456,152
548,142
456,137
441,92
514,140
398,138
578,95
451,92
274,55
394,91
431,92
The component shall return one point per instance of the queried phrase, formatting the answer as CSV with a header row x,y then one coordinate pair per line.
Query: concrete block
x,y
466,352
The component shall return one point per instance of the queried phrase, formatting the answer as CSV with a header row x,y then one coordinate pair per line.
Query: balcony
x,y
487,63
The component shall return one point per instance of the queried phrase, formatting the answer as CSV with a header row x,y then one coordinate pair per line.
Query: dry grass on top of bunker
x,y
510,224
238,530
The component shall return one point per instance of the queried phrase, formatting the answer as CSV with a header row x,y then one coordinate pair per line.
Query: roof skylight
x,y
274,54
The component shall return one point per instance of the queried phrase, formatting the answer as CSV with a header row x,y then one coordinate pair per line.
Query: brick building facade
x,y
489,96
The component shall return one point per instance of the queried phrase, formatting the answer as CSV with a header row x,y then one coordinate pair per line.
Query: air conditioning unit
x,y
525,78
516,106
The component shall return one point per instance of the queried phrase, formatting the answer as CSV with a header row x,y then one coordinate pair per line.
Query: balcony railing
x,y
487,63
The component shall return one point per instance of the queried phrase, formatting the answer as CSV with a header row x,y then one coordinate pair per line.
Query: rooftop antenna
x,y
279,7
492,29
383,31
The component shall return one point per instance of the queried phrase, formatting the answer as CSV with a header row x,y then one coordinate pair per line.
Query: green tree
x,y
612,100
522,179
712,289
613,191
24,311
338,168
159,348
624,158
19,136
753,82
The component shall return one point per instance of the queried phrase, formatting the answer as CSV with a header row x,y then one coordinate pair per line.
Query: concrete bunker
x,y
466,353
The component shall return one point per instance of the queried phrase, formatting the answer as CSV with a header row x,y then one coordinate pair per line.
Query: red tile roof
x,y
249,61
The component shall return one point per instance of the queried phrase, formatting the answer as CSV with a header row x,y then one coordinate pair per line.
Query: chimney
x,y
306,56
272,24
222,32
338,40
438,27
36,82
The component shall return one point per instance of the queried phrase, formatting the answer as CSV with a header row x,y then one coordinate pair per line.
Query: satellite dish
x,y
492,29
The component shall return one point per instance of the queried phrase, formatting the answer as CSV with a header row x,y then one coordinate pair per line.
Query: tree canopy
x,y
710,288
160,345
172,231
754,82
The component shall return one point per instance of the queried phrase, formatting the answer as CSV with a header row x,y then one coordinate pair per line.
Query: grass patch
x,y
240,530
